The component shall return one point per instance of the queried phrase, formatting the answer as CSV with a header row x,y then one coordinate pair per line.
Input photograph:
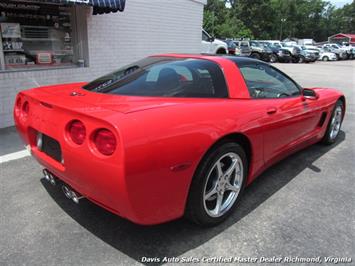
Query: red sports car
x,y
173,135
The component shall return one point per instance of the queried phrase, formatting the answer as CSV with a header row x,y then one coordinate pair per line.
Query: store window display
x,y
34,35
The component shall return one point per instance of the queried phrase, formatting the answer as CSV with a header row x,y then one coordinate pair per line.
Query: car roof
x,y
239,60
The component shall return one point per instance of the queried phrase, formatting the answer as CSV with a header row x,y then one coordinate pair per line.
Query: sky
x,y
340,3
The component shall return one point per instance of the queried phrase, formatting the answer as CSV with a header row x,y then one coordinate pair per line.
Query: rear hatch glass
x,y
164,77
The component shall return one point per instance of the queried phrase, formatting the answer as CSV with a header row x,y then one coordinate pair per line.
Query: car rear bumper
x,y
99,180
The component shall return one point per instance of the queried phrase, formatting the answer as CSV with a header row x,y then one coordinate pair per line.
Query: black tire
x,y
273,58
328,139
295,59
221,51
255,55
301,59
325,58
195,207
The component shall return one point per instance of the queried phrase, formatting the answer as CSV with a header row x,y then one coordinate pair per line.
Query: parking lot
x,y
301,207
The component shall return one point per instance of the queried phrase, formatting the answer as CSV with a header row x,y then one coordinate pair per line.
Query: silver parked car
x,y
242,48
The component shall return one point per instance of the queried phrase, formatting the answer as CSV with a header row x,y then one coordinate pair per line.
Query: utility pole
x,y
282,21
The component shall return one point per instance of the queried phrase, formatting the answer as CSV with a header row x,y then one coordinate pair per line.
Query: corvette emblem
x,y
74,93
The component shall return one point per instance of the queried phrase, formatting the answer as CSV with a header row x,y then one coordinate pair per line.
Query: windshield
x,y
255,44
164,77
244,44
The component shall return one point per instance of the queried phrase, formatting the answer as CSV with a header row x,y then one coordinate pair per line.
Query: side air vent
x,y
322,119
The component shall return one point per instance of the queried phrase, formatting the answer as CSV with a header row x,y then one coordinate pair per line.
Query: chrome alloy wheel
x,y
223,184
336,122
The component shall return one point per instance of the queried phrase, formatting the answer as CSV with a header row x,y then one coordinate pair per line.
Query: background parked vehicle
x,y
231,46
294,51
211,45
259,52
350,50
321,53
278,54
305,42
335,48
309,54
281,51
242,48
327,56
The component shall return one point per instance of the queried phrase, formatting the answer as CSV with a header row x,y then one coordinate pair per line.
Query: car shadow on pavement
x,y
177,237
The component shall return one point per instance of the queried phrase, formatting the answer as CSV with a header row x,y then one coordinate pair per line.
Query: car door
x,y
288,118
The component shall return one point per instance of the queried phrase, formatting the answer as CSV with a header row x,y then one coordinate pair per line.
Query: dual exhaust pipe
x,y
68,192
49,177
71,194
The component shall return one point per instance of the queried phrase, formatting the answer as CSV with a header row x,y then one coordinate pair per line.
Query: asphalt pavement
x,y
303,207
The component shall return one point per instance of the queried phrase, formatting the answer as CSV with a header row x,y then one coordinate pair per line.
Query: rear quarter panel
x,y
164,146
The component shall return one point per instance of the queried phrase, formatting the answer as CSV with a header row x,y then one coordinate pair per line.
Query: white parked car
x,y
210,45
322,54
335,48
327,56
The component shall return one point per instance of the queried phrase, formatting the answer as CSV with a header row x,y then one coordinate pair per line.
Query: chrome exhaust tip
x,y
70,194
49,177
76,198
46,174
52,179
67,191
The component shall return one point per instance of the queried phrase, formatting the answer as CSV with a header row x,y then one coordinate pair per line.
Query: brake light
x,y
18,102
25,110
77,132
105,141
18,106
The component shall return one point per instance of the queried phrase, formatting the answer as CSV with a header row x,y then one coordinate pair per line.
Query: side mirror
x,y
211,39
309,94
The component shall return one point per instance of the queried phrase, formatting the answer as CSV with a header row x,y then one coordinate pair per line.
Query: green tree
x,y
344,19
256,15
265,19
222,22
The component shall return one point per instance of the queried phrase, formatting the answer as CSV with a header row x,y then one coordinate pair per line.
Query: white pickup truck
x,y
350,50
210,45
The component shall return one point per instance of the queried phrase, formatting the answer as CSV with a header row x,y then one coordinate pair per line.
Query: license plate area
x,y
49,146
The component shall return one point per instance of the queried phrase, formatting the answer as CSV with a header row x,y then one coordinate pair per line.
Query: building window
x,y
35,36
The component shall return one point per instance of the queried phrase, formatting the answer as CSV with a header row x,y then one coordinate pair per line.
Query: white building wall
x,y
144,28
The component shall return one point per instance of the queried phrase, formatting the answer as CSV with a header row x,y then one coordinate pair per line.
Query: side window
x,y
264,81
205,36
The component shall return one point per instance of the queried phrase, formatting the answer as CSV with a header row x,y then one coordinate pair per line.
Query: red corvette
x,y
173,135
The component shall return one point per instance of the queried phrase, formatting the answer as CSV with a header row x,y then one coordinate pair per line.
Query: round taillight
x,y
105,141
77,132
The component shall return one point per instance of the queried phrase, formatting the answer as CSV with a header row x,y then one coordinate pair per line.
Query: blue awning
x,y
99,6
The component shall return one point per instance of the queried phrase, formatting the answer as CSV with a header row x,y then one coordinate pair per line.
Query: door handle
x,y
271,110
